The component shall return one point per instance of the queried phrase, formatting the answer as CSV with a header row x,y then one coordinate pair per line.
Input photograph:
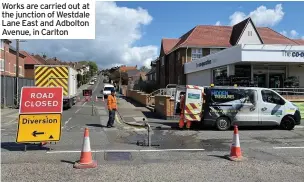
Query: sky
x,y
130,33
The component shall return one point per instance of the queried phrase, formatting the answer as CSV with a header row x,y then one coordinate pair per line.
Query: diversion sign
x,y
38,127
40,114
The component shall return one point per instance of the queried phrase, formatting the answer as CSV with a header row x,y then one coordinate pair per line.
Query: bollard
x,y
149,132
92,108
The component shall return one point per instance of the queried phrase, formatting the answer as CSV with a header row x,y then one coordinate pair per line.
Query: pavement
x,y
187,155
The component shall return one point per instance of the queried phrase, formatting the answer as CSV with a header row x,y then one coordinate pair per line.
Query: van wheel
x,y
287,123
223,123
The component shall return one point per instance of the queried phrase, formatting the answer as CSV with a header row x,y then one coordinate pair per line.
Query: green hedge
x,y
301,107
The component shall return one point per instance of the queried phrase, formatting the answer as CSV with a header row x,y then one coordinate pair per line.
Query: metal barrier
x,y
291,93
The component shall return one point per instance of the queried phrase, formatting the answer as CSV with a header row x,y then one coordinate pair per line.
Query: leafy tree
x,y
115,76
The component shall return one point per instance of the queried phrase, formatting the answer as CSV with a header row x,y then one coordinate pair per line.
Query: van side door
x,y
248,113
272,108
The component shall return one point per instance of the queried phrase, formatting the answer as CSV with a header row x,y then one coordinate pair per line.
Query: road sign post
x,y
40,114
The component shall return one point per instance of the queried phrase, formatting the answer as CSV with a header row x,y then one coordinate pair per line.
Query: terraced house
x,y
187,60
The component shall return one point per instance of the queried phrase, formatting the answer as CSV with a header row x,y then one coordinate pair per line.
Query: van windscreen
x,y
108,88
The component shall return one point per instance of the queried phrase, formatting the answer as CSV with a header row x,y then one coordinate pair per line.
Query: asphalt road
x,y
272,155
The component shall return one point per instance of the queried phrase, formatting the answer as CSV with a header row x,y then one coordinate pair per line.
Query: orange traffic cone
x,y
235,152
103,98
86,154
96,99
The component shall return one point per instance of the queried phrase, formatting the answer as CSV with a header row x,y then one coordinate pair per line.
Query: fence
x,y
8,89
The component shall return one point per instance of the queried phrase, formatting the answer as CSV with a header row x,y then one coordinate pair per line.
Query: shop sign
x,y
293,54
202,64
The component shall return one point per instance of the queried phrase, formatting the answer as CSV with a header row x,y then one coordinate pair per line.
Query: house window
x,y
1,45
1,64
249,33
196,54
163,61
154,76
178,55
20,70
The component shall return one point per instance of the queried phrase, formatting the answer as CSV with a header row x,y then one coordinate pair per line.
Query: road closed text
x,y
41,100
41,103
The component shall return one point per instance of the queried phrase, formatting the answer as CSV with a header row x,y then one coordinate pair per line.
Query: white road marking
x,y
288,147
145,150
299,126
83,103
66,122
77,110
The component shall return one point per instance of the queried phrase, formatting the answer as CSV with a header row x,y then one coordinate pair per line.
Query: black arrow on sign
x,y
35,133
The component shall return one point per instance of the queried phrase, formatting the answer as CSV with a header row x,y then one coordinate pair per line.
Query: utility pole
x,y
17,74
119,80
4,76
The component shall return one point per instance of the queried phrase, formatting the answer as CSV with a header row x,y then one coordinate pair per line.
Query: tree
x,y
115,76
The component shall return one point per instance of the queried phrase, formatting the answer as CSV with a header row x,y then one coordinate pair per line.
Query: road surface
x,y
189,155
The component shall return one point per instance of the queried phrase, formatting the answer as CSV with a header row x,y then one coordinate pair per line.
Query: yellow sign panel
x,y
38,128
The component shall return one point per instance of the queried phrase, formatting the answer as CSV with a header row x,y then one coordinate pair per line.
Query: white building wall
x,y
249,36
200,78
295,70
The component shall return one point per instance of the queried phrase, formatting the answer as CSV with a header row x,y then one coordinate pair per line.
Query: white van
x,y
248,106
107,89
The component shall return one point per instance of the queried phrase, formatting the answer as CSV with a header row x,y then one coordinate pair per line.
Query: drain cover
x,y
118,156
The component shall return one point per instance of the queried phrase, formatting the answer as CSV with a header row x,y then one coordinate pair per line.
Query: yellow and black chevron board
x,y
52,76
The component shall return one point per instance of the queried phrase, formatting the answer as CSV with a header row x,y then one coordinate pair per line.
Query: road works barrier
x,y
86,160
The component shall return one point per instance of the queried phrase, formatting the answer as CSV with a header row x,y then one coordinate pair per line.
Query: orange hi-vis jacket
x,y
112,103
182,104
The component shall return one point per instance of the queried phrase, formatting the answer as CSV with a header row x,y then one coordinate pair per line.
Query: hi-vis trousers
x,y
182,122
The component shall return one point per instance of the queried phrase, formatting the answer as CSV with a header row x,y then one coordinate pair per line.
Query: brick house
x,y
29,63
151,75
8,59
41,59
201,41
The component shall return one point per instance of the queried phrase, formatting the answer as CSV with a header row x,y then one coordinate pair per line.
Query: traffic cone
x,y
235,152
102,98
96,99
86,154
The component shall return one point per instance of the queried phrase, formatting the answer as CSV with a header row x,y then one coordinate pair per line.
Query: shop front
x,y
271,66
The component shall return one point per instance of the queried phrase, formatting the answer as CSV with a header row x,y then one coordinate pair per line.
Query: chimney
x,y
44,56
55,59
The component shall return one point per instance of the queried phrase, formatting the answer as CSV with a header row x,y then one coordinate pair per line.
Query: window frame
x,y
2,64
162,61
281,102
196,53
20,70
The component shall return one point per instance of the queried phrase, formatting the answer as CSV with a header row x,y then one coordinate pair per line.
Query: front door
x,y
260,80
276,80
272,109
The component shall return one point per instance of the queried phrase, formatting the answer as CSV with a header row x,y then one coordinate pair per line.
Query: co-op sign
x,y
294,54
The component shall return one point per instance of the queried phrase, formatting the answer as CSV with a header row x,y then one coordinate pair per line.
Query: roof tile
x,y
219,36
29,59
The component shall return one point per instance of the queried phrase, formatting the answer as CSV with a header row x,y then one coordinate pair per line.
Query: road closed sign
x,y
39,128
41,100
